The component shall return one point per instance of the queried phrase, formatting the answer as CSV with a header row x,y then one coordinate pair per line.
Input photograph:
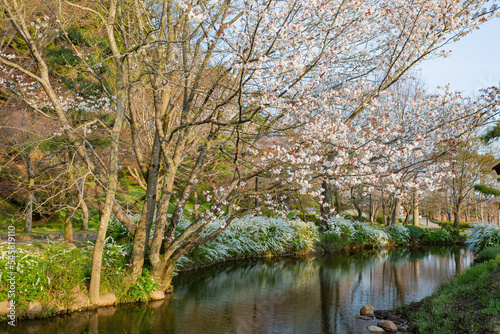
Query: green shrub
x,y
399,234
140,289
117,231
415,232
441,236
463,225
488,253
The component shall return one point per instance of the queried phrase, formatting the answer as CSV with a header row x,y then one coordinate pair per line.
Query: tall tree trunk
x,y
407,217
142,231
28,222
416,217
456,214
449,209
112,177
68,224
358,208
372,209
337,201
383,209
481,211
396,211
325,207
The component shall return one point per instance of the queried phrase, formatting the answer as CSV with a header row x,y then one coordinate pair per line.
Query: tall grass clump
x,y
483,235
252,236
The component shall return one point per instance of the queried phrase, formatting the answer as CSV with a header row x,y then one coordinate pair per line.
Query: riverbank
x,y
43,287
468,304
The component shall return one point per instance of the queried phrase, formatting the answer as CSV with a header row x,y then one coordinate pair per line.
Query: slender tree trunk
x,y
383,209
28,222
416,217
481,210
68,224
371,213
85,218
95,279
338,201
326,205
85,210
456,214
256,190
407,217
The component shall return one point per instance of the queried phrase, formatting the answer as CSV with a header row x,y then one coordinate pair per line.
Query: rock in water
x,y
387,325
157,295
375,329
367,310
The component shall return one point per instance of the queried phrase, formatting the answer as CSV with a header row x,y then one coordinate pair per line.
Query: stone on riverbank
x,y
375,329
387,325
367,310
33,309
79,302
107,299
3,308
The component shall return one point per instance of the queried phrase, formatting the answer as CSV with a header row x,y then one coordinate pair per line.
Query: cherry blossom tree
x,y
297,89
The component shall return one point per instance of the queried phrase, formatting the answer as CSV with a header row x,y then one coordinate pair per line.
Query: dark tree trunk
x,y
325,206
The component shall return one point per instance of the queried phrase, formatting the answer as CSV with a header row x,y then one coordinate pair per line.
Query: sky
x,y
474,62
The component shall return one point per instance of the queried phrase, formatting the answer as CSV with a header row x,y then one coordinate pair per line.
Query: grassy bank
x,y
469,303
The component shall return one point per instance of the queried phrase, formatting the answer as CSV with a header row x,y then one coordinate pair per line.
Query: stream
x,y
312,294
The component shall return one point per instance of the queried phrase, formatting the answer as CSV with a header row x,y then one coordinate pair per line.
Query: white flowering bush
x,y
483,235
399,234
251,236
346,232
341,227
366,234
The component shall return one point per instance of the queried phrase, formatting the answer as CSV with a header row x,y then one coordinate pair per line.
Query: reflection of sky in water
x,y
289,295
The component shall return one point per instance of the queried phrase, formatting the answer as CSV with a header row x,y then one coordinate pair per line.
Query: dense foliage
x,y
483,235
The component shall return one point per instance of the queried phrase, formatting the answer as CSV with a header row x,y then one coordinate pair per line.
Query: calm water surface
x,y
291,295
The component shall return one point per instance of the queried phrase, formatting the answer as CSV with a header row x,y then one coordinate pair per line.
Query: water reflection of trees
x,y
281,295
